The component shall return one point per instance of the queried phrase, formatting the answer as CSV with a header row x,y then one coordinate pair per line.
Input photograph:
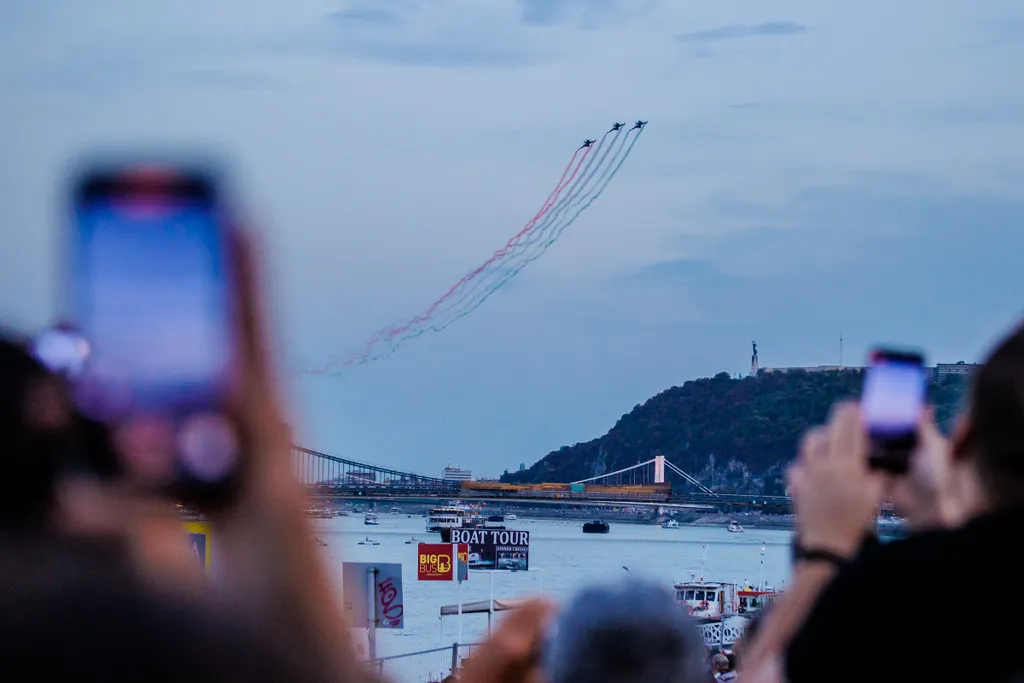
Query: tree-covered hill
x,y
724,431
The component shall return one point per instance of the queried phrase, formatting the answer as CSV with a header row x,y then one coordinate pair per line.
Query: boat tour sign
x,y
442,562
493,548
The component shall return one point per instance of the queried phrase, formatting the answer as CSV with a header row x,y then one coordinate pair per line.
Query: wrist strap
x,y
802,554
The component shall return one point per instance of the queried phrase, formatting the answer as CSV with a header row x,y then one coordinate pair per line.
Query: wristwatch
x,y
802,554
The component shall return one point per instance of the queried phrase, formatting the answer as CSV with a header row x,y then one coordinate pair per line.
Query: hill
x,y
733,434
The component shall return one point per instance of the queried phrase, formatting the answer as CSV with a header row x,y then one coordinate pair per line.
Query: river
x,y
562,559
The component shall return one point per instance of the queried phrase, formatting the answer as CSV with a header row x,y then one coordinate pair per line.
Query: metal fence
x,y
433,666
427,666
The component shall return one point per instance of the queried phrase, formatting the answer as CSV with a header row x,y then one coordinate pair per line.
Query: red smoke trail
x,y
392,331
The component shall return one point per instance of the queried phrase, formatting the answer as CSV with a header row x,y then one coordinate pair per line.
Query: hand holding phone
x,y
892,405
151,291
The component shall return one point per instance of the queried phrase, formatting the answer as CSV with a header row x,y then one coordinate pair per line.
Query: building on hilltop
x,y
961,368
457,474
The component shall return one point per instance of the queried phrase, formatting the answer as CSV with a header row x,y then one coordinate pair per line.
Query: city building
x,y
457,474
943,370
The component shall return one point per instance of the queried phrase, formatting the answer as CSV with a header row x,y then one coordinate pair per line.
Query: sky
x,y
811,171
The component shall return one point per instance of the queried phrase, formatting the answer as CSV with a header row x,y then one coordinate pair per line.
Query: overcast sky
x,y
810,169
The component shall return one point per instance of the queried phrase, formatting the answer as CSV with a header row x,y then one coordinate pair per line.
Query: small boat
x,y
369,541
596,527
510,517
496,518
670,524
370,519
735,527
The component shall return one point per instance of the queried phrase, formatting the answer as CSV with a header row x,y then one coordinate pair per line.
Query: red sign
x,y
436,562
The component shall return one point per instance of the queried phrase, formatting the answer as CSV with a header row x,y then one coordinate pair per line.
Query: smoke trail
x,y
388,333
511,274
541,232
465,287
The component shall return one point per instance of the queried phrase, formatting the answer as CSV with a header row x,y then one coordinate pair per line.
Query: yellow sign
x,y
200,537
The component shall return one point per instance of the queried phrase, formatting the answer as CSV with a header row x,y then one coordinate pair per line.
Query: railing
x,y
433,666
426,666
724,632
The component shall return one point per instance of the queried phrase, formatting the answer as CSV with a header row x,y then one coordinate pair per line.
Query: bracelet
x,y
802,554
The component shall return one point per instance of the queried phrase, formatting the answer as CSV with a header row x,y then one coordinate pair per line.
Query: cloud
x,y
429,53
367,15
771,29
440,36
584,14
897,261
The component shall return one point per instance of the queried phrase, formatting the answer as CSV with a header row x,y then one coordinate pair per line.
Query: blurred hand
x,y
768,671
512,654
834,493
926,495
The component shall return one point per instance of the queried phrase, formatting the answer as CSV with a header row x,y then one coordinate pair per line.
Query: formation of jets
x,y
615,126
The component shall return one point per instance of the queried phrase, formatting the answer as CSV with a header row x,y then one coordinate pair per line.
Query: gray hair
x,y
631,632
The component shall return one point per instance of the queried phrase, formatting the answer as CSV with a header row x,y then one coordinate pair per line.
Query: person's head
x,y
34,437
624,633
991,434
719,663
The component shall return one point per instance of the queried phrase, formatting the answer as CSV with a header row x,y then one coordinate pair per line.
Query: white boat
x,y
735,527
670,524
447,517
371,519
510,517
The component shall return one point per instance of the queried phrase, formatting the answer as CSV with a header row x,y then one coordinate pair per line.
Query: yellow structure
x,y
201,538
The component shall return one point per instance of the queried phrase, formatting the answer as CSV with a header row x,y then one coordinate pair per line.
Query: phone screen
x,y
893,397
152,301
152,297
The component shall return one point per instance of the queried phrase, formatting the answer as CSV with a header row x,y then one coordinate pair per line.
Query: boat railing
x,y
721,633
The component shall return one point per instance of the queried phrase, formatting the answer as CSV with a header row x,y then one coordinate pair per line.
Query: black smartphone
x,y
892,402
150,289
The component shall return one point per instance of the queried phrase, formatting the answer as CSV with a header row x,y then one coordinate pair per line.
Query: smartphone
x,y
892,402
151,295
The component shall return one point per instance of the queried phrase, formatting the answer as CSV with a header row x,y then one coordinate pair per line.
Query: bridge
x,y
643,484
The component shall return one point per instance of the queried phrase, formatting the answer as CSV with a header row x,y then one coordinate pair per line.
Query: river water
x,y
562,560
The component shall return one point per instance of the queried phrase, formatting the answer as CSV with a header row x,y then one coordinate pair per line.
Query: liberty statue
x,y
753,360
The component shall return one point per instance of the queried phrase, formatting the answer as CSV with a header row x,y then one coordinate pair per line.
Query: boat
x,y
496,518
369,541
596,527
510,517
735,527
370,519
670,524
447,517
709,601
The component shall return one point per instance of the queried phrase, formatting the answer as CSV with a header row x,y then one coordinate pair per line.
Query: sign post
x,y
444,562
373,597
371,611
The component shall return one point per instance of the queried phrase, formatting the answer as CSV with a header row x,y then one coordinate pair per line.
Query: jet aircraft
x,y
586,143
616,126
639,124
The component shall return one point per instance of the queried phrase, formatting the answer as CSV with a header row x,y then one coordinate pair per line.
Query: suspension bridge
x,y
642,484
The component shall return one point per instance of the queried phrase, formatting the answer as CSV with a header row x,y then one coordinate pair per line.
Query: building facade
x,y
457,474
962,368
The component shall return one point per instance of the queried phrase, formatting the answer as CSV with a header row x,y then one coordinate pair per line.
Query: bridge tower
x,y
659,469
